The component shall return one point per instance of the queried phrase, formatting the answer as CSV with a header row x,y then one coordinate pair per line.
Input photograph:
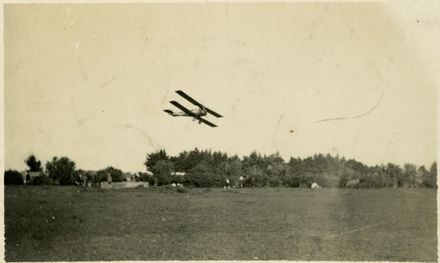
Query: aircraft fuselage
x,y
197,112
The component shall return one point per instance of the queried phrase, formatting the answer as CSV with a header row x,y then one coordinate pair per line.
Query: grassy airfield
x,y
54,223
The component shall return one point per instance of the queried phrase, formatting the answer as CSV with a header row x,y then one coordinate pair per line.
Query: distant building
x,y
178,173
29,176
130,177
23,175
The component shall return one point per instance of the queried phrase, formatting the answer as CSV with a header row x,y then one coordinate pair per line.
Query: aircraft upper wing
x,y
207,122
178,105
193,101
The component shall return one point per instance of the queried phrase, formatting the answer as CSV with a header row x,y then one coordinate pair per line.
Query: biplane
x,y
196,114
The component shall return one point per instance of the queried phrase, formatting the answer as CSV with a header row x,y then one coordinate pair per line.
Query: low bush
x,y
13,177
42,180
181,190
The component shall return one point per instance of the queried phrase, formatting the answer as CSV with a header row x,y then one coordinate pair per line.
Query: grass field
x,y
71,223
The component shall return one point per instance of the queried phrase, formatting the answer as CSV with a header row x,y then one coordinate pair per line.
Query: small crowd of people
x,y
87,182
228,183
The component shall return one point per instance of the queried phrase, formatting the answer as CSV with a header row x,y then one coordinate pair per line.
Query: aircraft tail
x,y
170,112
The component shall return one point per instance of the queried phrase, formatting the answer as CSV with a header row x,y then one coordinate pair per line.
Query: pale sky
x,y
90,81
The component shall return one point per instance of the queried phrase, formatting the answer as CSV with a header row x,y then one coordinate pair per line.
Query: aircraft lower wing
x,y
178,105
207,122
193,101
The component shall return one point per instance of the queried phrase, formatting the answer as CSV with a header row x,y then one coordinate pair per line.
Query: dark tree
x,y
203,175
13,177
433,169
232,168
61,170
430,177
42,180
162,172
116,174
409,174
33,164
145,177
153,158
395,174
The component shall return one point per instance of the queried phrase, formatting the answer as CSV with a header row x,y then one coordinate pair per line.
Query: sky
x,y
90,81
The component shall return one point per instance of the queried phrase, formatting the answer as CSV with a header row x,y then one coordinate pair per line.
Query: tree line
x,y
206,168
59,171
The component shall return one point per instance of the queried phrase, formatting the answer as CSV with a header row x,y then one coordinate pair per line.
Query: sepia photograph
x,y
205,131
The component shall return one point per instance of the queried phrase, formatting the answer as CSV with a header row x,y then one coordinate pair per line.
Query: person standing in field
x,y
155,182
84,179
227,183
28,178
240,181
109,181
